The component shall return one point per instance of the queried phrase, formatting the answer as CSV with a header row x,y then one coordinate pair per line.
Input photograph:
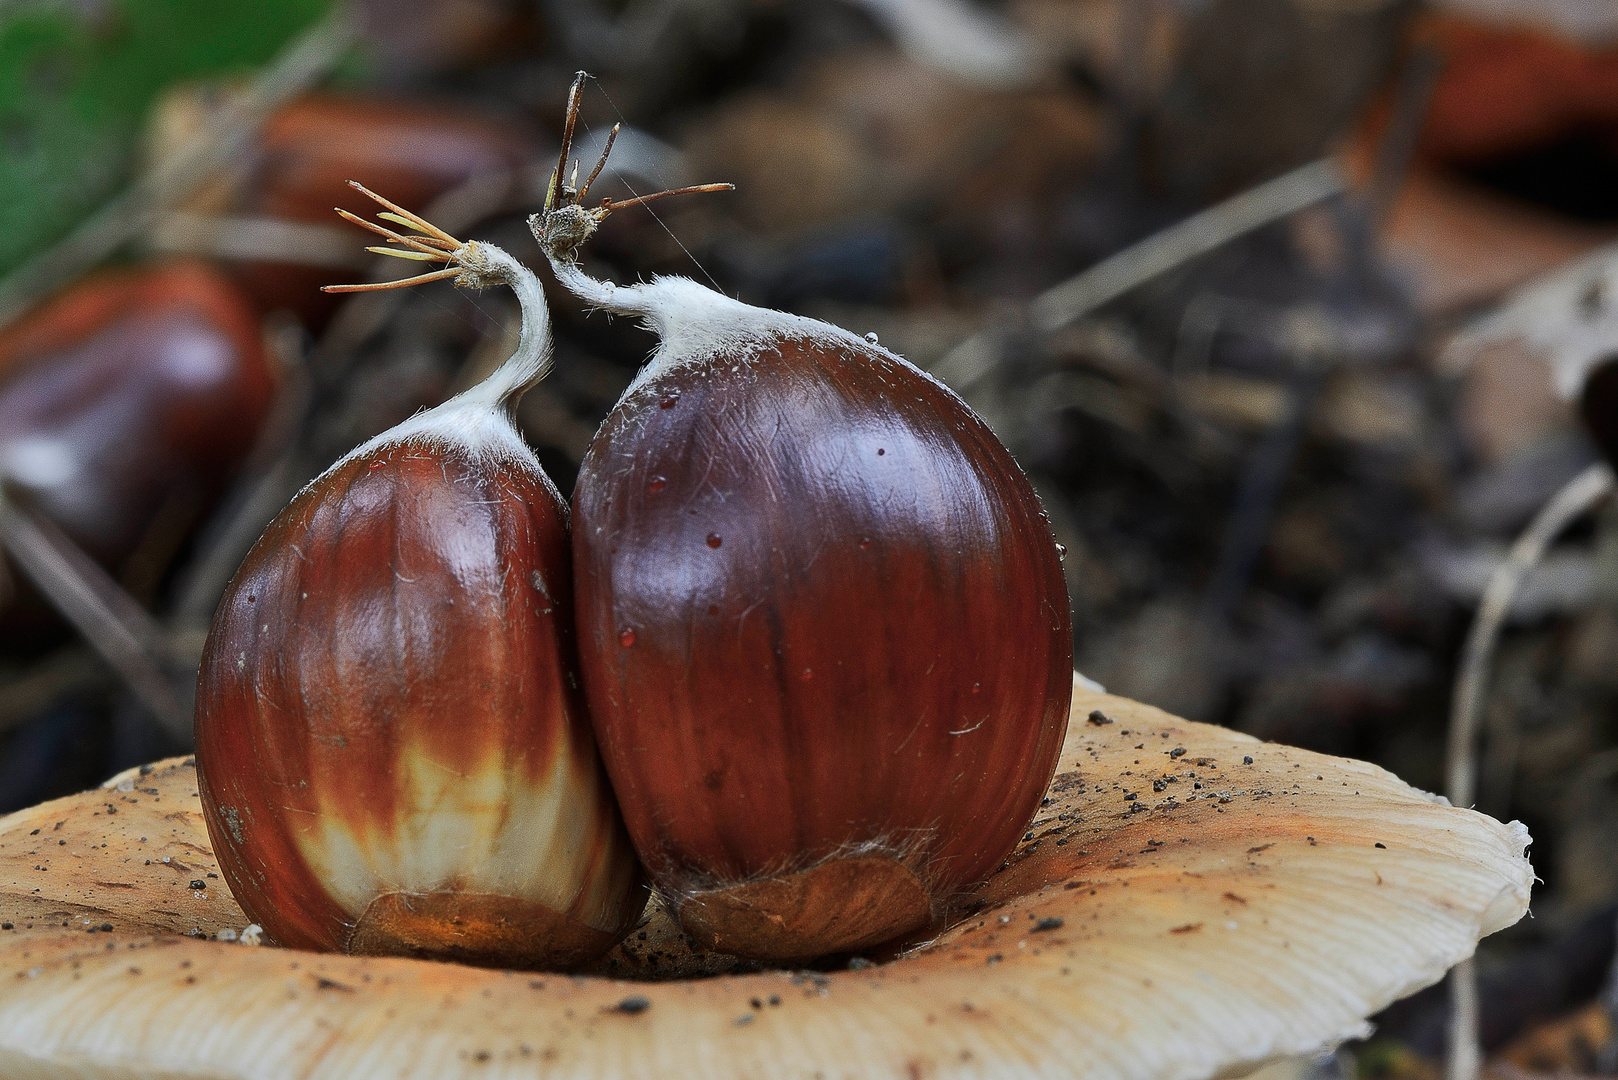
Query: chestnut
x,y
296,168
822,622
125,403
392,752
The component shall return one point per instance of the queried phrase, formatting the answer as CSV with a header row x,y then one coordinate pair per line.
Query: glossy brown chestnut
x,y
1508,89
825,642
392,750
310,148
823,627
822,620
127,401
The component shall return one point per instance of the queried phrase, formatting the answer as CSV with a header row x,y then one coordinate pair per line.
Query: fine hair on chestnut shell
x,y
823,625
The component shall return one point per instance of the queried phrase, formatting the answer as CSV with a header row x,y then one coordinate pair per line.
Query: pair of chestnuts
x,y
801,657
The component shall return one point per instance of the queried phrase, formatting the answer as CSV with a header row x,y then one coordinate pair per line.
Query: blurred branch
x,y
1197,235
1417,81
960,39
261,239
1577,498
1063,304
303,62
114,625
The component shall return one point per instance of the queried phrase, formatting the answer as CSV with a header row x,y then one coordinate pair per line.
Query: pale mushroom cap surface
x,y
1179,934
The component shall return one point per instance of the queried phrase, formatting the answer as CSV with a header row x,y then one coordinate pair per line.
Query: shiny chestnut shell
x,y
392,753
825,641
126,402
153,382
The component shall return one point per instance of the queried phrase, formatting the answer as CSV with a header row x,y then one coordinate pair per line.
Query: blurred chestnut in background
x,y
125,404
270,220
1509,89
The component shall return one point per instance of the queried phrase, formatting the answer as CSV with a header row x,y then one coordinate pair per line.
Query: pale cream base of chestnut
x,y
841,905
482,929
486,830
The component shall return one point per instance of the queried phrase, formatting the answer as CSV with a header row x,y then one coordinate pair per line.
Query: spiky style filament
x,y
414,221
418,242
565,223
417,256
612,137
378,286
428,244
554,197
642,200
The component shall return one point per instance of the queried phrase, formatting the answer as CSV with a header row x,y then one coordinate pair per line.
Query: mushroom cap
x,y
1147,929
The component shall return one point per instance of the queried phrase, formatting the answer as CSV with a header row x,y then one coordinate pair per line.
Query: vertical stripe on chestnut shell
x,y
385,704
819,606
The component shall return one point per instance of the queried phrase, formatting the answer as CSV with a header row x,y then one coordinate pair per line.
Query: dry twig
x,y
1576,498
128,638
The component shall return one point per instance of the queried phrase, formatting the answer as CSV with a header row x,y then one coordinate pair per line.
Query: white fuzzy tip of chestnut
x,y
393,752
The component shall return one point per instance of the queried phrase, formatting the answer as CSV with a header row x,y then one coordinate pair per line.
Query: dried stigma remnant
x,y
393,756
566,223
827,703
469,262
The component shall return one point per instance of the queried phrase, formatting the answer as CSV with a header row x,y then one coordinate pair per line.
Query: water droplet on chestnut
x,y
656,484
880,451
870,336
714,540
865,542
669,402
1061,551
626,637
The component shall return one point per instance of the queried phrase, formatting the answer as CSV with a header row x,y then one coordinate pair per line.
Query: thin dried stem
x,y
117,627
436,275
574,94
416,256
389,233
414,221
612,137
1575,499
641,200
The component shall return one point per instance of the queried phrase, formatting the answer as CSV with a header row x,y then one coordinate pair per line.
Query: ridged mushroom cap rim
x,y
1178,912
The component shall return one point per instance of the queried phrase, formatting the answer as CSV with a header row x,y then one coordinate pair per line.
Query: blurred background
x,y
1297,312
